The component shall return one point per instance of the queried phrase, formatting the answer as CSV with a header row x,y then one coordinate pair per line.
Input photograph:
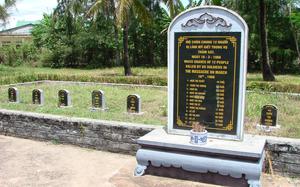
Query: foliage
x,y
283,52
147,76
84,33
17,55
121,16
70,38
147,45
4,10
81,43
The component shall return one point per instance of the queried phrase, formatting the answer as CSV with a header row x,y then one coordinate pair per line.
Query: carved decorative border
x,y
207,18
200,164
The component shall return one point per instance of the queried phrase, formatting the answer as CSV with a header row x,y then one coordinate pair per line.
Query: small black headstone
x,y
134,104
13,95
64,98
37,97
98,99
269,116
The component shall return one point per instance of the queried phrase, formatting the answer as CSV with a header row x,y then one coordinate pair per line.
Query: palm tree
x,y
69,11
3,10
175,7
104,5
122,10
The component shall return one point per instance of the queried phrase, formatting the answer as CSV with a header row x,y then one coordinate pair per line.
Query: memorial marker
x,y
38,97
98,100
134,104
207,73
13,95
269,116
64,98
207,59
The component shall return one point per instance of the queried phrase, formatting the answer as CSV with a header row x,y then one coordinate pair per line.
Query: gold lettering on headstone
x,y
269,117
207,58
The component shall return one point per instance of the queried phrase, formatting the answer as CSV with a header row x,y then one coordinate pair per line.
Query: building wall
x,y
16,36
6,40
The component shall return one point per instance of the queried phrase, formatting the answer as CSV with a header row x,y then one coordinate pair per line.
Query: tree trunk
x,y
116,34
126,63
295,35
297,45
265,59
151,53
151,42
136,56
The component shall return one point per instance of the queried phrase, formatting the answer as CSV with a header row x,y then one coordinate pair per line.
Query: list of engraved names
x,y
206,80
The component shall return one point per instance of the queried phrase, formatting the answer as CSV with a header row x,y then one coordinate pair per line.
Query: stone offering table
x,y
234,158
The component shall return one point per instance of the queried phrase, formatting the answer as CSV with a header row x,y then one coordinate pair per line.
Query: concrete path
x,y
31,163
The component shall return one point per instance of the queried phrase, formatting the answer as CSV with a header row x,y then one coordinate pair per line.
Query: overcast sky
x,y
31,10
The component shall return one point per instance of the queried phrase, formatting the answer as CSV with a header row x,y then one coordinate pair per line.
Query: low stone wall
x,y
120,137
285,155
102,135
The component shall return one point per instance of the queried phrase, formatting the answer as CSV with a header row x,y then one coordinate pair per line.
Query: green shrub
x,y
148,80
273,86
24,54
46,58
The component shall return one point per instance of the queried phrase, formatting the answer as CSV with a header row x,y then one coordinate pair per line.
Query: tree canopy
x,y
99,33
4,10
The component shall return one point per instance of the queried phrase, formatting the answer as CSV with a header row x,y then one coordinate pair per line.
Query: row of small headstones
x,y
64,99
268,114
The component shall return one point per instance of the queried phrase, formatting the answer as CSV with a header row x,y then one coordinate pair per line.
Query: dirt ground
x,y
32,163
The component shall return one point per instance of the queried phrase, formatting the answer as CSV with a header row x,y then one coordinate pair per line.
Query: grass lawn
x,y
154,104
288,113
149,76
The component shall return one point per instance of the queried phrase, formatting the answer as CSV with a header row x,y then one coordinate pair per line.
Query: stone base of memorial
x,y
267,128
234,158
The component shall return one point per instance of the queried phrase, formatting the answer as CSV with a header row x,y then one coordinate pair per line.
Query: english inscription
x,y
206,80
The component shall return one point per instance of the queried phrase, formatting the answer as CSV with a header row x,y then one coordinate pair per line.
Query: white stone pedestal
x,y
234,158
